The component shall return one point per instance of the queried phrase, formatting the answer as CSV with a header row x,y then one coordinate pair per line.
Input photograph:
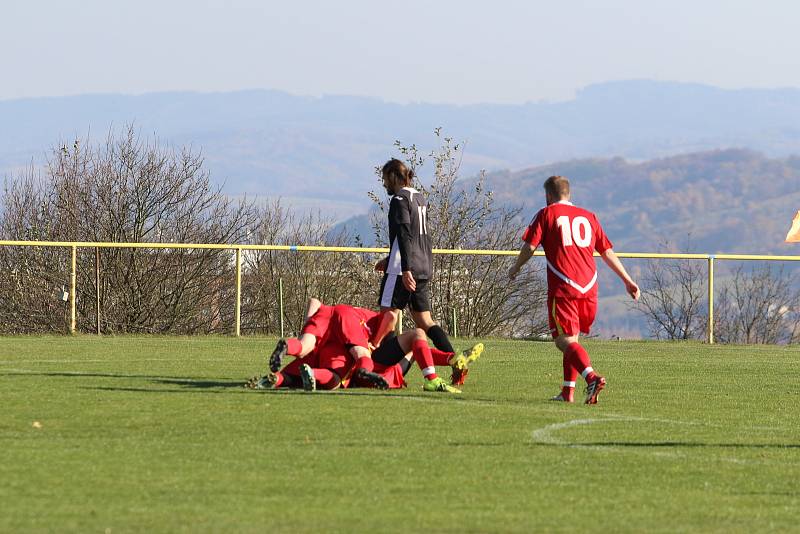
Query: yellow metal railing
x,y
74,245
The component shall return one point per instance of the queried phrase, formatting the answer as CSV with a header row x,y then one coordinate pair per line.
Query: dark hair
x,y
557,186
399,170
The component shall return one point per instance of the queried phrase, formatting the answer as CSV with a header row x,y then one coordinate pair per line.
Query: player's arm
x,y
531,239
313,307
614,263
400,218
525,253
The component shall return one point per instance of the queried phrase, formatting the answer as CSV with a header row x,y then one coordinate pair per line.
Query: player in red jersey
x,y
569,236
332,340
344,332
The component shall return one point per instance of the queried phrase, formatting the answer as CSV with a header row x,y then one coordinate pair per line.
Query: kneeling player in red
x,y
344,331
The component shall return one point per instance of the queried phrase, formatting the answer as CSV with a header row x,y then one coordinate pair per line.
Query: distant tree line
x,y
131,189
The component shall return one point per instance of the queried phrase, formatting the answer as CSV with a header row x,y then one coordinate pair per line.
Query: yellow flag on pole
x,y
794,232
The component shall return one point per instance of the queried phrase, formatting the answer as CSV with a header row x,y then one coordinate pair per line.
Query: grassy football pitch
x,y
156,434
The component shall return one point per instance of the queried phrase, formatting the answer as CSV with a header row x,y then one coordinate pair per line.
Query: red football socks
x,y
279,380
441,357
570,375
326,379
580,360
424,358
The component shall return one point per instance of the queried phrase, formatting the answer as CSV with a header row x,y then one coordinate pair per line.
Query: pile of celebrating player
x,y
346,346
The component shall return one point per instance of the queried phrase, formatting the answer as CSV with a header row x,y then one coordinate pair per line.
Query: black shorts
x,y
395,295
389,352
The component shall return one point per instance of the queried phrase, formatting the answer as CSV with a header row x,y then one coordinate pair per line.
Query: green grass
x,y
155,434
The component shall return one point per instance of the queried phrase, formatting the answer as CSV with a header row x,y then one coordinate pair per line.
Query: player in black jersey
x,y
409,266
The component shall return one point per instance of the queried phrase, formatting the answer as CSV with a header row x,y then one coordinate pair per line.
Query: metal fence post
x,y
280,303
238,291
711,299
97,284
72,284
454,329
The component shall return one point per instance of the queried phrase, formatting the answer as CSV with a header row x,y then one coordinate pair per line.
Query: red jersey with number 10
x,y
569,236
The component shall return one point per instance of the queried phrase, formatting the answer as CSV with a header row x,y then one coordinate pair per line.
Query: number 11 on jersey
x,y
422,211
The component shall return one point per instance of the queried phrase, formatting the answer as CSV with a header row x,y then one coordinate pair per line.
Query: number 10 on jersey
x,y
579,231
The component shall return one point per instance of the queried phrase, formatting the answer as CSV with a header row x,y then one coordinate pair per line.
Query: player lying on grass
x,y
386,368
334,346
392,360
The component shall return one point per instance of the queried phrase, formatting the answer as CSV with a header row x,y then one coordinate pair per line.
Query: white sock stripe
x,y
568,384
586,372
428,371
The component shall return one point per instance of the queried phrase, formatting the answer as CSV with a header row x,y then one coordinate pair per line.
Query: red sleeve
x,y
601,241
533,233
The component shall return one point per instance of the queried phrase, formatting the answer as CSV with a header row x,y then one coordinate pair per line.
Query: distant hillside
x,y
275,144
736,201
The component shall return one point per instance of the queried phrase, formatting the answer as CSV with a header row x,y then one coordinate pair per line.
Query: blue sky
x,y
434,51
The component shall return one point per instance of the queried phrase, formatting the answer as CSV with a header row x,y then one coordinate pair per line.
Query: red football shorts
x,y
335,357
569,316
393,375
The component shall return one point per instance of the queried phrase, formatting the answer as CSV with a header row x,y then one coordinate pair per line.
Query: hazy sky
x,y
434,50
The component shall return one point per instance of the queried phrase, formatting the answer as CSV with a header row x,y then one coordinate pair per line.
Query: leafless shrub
x,y
331,277
128,190
674,299
761,305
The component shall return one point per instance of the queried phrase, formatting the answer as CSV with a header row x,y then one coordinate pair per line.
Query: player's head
x,y
396,175
556,188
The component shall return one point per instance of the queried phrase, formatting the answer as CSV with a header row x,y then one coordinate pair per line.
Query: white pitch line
x,y
544,435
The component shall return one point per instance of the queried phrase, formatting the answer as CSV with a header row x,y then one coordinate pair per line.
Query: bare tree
x,y
128,190
761,305
673,299
331,277
463,215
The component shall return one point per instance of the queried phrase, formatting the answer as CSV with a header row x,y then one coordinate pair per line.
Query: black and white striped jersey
x,y
408,235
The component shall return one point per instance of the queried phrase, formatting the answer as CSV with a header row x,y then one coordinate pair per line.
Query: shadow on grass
x,y
78,374
189,385
668,444
196,383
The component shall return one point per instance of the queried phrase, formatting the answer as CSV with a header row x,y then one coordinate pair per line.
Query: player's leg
x,y
288,377
394,350
364,371
314,378
570,372
393,298
572,316
420,305
318,317
422,355
460,363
